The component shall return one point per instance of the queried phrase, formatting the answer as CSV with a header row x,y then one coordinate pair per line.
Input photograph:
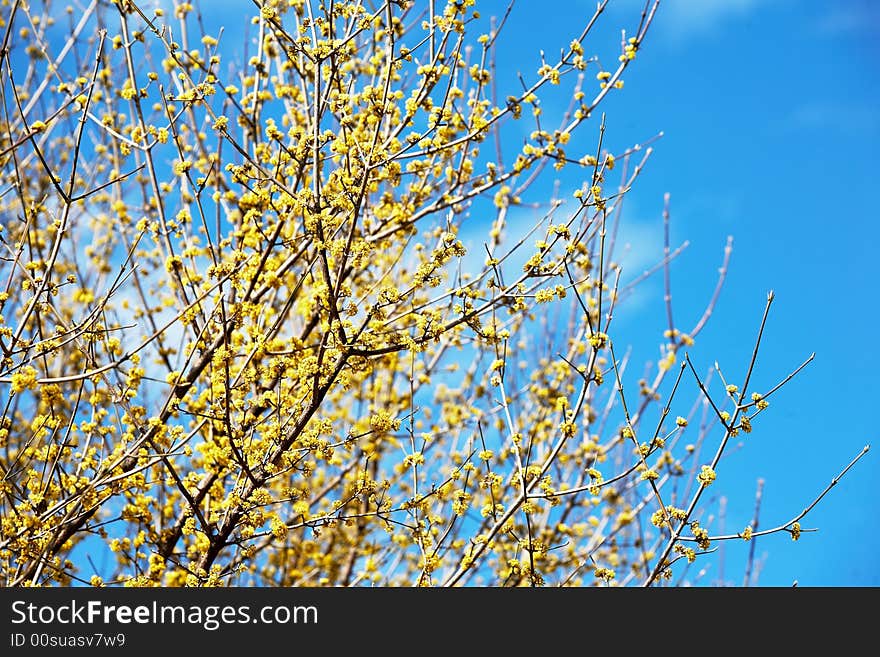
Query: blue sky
x,y
769,110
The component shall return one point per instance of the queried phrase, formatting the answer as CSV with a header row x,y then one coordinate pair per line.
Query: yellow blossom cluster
x,y
278,321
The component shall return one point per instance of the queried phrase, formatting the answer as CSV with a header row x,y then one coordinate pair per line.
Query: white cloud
x,y
847,18
639,247
830,117
703,14
638,250
678,19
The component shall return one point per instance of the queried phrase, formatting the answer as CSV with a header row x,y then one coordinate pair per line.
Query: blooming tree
x,y
245,340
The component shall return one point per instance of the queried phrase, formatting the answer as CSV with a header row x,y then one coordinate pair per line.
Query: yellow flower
x,y
701,534
604,573
24,379
706,476
382,421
